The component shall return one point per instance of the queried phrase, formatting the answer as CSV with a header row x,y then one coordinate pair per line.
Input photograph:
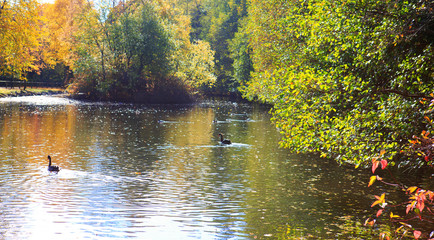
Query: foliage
x,y
240,53
347,78
37,40
57,75
217,22
134,48
139,47
422,147
197,68
19,37
193,60
90,63
61,25
419,207
116,48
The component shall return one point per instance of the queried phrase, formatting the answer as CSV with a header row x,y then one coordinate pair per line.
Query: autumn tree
x,y
193,59
138,49
217,22
92,50
61,24
57,44
20,33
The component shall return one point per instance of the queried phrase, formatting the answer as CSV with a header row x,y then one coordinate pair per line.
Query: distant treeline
x,y
123,50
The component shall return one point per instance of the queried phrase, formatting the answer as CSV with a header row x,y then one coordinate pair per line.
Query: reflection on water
x,y
159,172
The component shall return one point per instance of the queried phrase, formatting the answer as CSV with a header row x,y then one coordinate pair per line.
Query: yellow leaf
x,y
380,199
372,180
412,189
397,230
406,224
393,215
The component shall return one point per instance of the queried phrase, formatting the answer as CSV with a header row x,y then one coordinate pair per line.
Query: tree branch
x,y
406,94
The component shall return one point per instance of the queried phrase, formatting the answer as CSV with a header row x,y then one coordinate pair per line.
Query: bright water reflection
x,y
134,171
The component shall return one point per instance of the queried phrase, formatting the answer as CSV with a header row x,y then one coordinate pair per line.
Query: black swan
x,y
224,141
52,168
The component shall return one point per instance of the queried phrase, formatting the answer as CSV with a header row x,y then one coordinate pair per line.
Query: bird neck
x,y
49,162
221,137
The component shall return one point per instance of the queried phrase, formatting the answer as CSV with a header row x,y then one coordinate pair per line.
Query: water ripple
x,y
124,174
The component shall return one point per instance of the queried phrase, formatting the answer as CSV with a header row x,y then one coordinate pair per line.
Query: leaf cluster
x,y
419,206
133,47
218,23
19,37
346,78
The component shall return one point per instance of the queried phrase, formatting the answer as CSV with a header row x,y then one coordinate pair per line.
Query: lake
x,y
159,172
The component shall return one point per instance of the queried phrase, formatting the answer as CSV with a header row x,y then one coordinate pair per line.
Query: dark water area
x,y
159,172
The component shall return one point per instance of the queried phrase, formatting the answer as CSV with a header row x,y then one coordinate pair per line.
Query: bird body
x,y
52,168
224,141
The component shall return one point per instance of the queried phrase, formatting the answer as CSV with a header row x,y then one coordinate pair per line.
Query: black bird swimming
x,y
224,141
52,168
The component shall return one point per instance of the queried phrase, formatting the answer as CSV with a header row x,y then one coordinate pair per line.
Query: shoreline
x,y
16,92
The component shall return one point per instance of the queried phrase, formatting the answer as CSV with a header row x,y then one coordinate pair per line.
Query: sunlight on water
x,y
160,172
39,100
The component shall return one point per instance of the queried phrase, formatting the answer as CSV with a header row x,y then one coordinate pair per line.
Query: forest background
x,y
349,79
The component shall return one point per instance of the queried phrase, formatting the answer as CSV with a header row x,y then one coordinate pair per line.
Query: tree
x,y
193,59
91,51
347,78
140,48
217,22
241,55
136,49
61,25
55,53
197,68
19,37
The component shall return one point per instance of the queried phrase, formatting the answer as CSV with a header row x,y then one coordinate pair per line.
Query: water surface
x,y
159,172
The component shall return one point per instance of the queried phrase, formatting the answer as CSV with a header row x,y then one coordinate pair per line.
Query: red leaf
x,y
369,222
384,236
383,163
374,165
420,205
417,234
410,207
430,195
379,212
